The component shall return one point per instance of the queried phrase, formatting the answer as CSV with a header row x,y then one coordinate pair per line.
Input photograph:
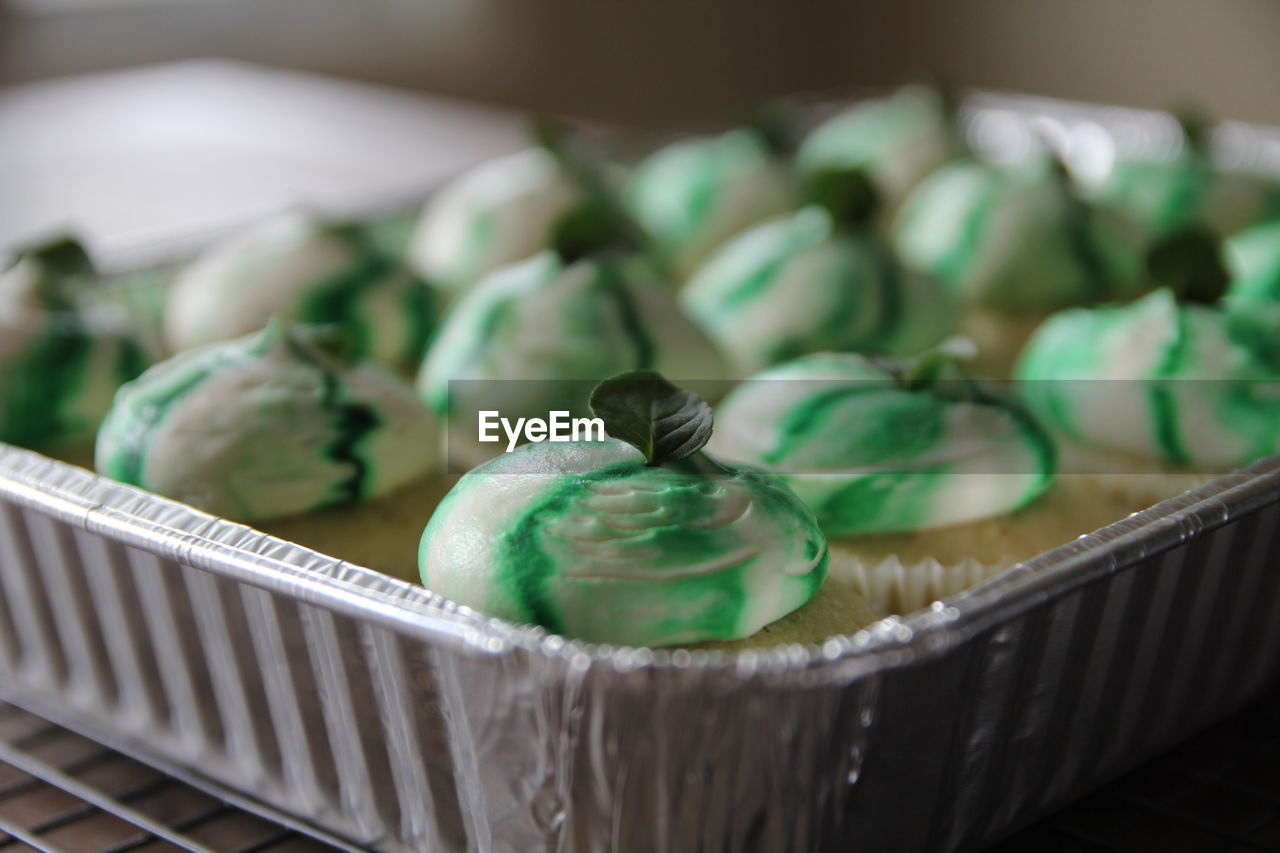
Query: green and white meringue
x,y
59,367
693,195
1182,383
586,540
536,336
267,426
501,212
1166,195
804,283
307,271
898,139
871,452
1018,240
1253,256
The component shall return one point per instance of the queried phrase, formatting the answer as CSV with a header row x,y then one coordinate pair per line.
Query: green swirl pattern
x,y
899,139
1017,240
58,368
265,426
800,284
306,272
693,195
535,336
869,454
587,541
1185,384
1253,257
1168,195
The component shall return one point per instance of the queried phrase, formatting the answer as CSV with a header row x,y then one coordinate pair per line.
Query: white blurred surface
x,y
173,155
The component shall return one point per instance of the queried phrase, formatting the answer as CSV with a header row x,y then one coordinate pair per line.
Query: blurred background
x,y
672,62
169,151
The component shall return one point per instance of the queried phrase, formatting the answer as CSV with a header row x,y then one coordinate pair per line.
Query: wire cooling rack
x,y
63,793
59,792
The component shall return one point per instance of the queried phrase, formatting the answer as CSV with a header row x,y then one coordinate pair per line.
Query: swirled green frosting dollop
x,y
266,426
536,336
1253,257
871,453
898,139
59,367
801,283
693,195
1181,383
306,271
1168,195
1018,240
585,539
498,213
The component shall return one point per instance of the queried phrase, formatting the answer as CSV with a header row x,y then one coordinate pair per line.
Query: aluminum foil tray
x,y
374,711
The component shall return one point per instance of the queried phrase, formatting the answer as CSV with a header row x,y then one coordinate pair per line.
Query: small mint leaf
x,y
1196,127
1189,262
63,269
349,231
944,89
937,372
770,125
663,422
61,256
928,369
327,345
848,194
589,227
600,221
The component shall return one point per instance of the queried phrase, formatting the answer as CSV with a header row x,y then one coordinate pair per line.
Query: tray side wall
x,y
398,743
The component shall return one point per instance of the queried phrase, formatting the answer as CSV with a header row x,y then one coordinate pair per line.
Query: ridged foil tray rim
x,y
163,526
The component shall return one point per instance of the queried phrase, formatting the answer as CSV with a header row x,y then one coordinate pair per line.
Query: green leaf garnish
x,y
1189,262
63,270
945,91
61,256
848,194
770,124
937,372
348,230
928,369
1196,128
326,345
663,422
599,222
588,228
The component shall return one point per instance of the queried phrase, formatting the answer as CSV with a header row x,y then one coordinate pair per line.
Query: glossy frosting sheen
x,y
693,195
868,455
546,321
301,270
799,284
498,213
1017,240
1204,381
587,541
266,426
58,369
899,139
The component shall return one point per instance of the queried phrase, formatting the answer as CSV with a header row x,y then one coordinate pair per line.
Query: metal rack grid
x,y
64,793
1217,793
